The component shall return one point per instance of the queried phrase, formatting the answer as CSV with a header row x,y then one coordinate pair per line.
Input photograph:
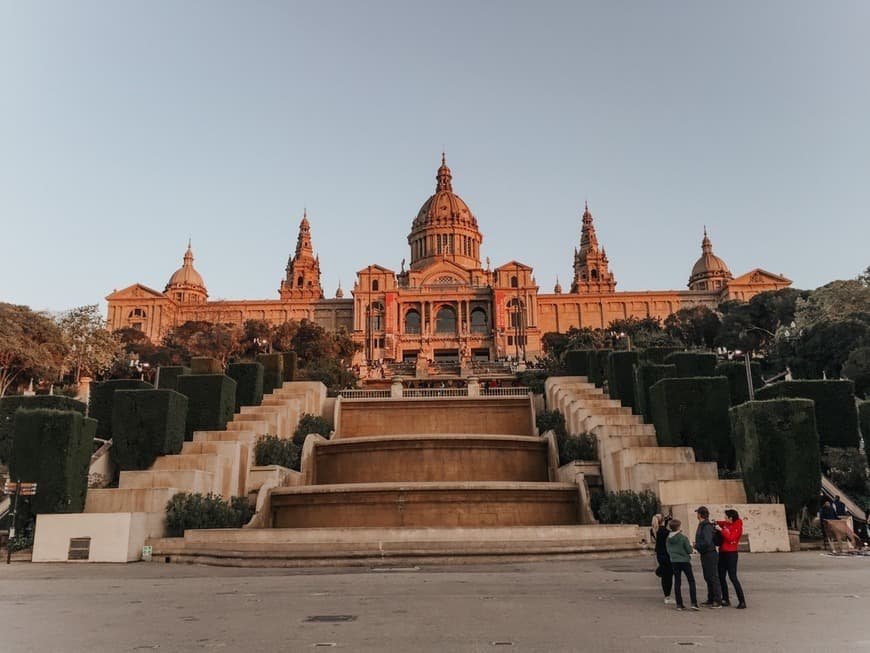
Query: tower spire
x,y
444,176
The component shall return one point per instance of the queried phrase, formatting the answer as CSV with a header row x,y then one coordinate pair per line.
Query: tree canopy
x,y
31,346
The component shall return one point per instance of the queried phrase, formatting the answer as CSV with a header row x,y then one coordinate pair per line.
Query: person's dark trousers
x,y
681,568
710,567
667,573
728,565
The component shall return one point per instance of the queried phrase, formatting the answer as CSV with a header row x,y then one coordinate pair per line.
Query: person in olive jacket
x,y
706,547
679,549
731,529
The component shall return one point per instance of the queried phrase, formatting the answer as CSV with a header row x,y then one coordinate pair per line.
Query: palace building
x,y
447,306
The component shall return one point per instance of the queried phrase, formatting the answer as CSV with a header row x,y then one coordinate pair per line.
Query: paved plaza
x,y
797,602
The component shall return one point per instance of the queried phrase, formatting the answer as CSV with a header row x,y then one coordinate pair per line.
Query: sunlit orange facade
x,y
446,306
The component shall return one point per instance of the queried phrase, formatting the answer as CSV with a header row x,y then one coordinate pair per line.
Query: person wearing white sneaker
x,y
660,531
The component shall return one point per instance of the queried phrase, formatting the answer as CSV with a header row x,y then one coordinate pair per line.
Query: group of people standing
x,y
674,550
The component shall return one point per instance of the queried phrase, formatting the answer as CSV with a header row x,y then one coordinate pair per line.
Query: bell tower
x,y
302,280
591,273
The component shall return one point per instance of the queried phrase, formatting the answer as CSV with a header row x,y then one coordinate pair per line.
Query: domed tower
x,y
186,284
591,273
302,279
710,271
445,228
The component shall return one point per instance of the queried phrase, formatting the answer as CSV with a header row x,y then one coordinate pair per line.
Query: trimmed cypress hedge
x,y
52,448
645,376
693,412
102,398
147,424
598,366
735,372
577,362
211,401
291,362
836,417
692,364
249,383
657,355
8,406
778,448
273,371
167,376
205,365
864,421
620,377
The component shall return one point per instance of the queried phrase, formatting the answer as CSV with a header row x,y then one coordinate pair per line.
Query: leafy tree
x,y
283,334
754,325
643,331
31,346
695,326
257,336
200,338
91,348
832,302
824,347
554,343
585,338
857,368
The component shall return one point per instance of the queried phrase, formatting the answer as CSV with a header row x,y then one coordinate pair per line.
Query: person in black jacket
x,y
705,546
660,532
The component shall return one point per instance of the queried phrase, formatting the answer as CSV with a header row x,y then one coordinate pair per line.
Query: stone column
x,y
396,388
473,387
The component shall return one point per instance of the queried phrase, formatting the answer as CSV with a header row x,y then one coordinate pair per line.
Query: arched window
x,y
478,321
299,282
412,321
594,274
375,285
514,282
445,321
137,312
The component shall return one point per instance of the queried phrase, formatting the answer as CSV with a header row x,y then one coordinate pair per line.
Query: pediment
x,y
136,291
375,269
757,276
513,266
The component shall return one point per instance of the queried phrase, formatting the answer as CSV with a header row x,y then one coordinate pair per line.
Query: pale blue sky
x,y
127,127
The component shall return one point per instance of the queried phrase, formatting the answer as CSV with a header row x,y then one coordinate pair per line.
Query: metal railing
x,y
521,391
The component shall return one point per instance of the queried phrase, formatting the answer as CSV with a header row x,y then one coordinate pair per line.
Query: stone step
x,y
191,480
100,500
220,466
621,419
239,453
625,460
728,491
607,430
246,437
646,476
259,426
377,546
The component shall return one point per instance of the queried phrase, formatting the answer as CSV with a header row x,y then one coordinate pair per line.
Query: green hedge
x,y
272,450
598,366
692,364
620,375
273,371
8,406
211,401
52,448
291,363
778,449
693,412
309,423
645,376
627,507
167,376
147,424
102,398
735,372
836,417
864,420
205,365
657,355
577,362
249,383
191,511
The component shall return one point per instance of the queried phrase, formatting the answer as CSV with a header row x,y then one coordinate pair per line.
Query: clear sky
x,y
127,127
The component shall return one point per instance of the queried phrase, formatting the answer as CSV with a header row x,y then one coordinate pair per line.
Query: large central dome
x,y
445,227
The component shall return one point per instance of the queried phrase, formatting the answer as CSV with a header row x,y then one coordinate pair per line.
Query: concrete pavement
x,y
797,602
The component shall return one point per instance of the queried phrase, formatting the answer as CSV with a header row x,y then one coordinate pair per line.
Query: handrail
x,y
832,490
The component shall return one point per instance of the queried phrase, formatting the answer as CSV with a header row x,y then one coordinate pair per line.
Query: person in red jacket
x,y
731,530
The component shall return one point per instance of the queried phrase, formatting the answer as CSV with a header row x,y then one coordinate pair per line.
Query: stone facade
x,y
446,306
